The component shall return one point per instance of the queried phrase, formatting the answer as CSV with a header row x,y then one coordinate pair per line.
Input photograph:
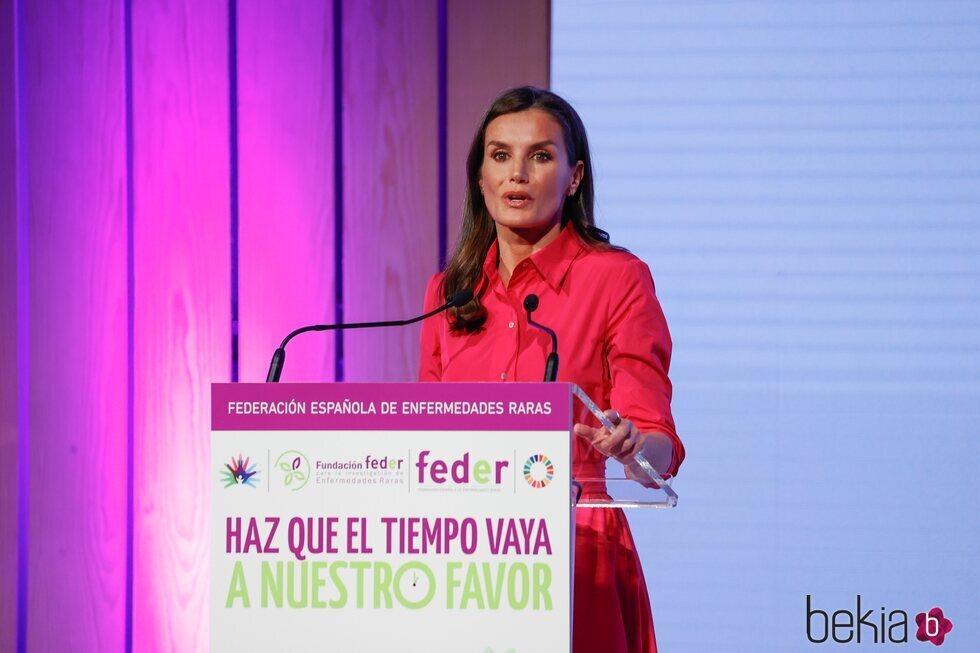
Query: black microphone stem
x,y
551,364
360,325
279,356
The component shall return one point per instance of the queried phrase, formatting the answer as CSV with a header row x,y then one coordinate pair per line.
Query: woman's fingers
x,y
587,432
625,441
598,437
620,443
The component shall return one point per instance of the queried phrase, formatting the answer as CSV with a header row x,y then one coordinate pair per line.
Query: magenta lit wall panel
x,y
390,179
182,183
75,150
286,189
182,314
8,337
474,79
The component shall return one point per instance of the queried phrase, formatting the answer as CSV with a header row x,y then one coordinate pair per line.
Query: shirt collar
x,y
552,261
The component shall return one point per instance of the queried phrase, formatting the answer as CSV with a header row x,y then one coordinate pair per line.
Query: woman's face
x,y
525,176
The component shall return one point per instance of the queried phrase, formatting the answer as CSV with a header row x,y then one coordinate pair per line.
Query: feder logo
x,y
461,471
887,626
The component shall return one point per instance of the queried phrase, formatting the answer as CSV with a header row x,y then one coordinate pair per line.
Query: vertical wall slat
x,y
481,64
286,196
77,239
391,191
182,307
8,335
181,257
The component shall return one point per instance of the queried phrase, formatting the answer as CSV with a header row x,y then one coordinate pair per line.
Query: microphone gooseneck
x,y
460,297
551,364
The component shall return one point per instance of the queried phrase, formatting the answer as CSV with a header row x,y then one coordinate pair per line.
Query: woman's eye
x,y
542,156
499,155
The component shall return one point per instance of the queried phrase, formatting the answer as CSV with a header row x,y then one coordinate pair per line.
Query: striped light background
x,y
804,180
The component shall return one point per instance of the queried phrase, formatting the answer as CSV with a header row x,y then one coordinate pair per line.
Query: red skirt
x,y
612,607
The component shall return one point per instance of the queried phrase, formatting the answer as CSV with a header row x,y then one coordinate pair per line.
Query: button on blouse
x,y
613,339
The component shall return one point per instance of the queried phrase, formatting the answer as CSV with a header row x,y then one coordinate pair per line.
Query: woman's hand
x,y
622,443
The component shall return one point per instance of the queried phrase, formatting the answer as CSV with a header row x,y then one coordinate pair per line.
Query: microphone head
x,y
461,297
531,302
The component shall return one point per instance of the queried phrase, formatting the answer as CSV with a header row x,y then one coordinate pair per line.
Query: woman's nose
x,y
519,174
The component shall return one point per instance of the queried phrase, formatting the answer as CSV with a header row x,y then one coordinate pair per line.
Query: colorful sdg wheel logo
x,y
538,471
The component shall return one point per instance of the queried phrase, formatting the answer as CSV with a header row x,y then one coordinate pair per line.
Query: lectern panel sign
x,y
391,517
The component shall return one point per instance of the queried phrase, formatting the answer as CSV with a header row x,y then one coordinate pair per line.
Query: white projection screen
x,y
803,179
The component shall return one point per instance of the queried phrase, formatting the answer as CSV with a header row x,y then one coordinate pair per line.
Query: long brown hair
x,y
477,234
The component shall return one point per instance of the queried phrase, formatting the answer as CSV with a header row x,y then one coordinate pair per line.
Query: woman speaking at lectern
x,y
528,228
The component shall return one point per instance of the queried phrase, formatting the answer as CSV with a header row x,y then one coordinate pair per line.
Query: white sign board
x,y
381,540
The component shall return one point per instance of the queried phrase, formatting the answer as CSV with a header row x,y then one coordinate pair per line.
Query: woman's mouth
x,y
517,200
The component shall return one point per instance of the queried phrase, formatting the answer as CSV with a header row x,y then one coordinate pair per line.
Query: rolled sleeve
x,y
638,354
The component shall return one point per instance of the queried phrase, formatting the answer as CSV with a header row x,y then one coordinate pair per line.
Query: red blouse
x,y
612,336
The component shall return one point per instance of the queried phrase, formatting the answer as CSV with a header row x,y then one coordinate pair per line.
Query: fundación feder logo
x,y
295,469
239,472
538,471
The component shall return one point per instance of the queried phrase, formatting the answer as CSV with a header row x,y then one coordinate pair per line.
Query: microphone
x,y
459,298
551,365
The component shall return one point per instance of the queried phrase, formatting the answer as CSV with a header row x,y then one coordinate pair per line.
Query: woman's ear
x,y
577,175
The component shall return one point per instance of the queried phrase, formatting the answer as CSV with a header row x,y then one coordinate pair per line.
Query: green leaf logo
x,y
295,469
